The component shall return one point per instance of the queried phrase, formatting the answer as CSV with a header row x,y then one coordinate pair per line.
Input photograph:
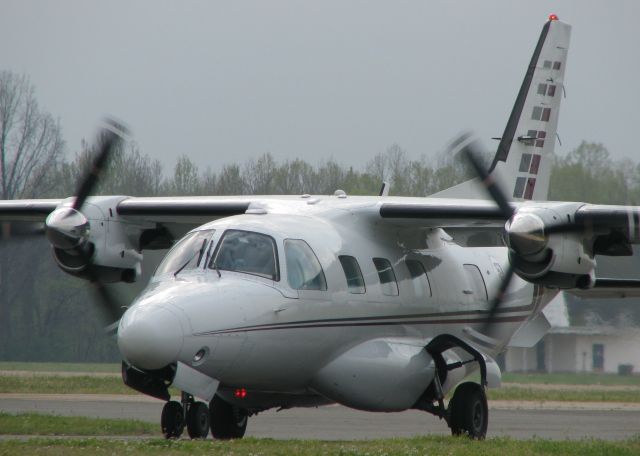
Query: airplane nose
x,y
150,338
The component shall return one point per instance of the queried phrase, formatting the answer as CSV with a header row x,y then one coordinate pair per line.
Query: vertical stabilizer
x,y
522,163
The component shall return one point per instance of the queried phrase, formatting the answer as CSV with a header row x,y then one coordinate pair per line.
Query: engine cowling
x,y
542,254
95,243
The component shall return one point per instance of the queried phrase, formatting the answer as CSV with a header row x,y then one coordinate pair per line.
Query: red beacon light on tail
x,y
553,17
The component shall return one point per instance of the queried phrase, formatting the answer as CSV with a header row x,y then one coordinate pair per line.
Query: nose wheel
x,y
175,415
198,420
172,420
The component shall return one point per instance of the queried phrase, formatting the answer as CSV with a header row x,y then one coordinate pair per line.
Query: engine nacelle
x,y
543,254
110,247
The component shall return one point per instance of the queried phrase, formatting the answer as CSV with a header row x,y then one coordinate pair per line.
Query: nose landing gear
x,y
173,419
198,420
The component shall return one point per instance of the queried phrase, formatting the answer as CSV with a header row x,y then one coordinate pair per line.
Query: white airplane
x,y
376,303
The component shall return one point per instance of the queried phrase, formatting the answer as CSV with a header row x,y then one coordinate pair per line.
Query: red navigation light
x,y
240,393
553,17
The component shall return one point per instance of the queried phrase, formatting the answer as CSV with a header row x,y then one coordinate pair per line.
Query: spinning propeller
x,y
525,233
68,229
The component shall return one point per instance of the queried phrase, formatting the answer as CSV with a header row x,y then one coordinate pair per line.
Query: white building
x,y
577,349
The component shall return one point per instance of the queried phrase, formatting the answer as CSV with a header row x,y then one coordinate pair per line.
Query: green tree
x,y
186,180
30,145
589,174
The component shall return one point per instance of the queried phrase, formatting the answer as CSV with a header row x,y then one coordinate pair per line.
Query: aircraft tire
x,y
469,411
172,420
227,421
198,420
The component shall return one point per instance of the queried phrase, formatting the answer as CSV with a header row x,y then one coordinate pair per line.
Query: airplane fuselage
x,y
254,332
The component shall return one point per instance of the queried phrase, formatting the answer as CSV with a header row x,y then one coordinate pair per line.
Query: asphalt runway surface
x,y
512,419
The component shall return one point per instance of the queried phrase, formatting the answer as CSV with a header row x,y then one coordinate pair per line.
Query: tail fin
x,y
522,163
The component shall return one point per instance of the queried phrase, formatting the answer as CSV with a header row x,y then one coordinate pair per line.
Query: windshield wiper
x,y
215,266
200,252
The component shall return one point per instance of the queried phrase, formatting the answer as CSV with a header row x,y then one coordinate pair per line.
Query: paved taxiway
x,y
513,419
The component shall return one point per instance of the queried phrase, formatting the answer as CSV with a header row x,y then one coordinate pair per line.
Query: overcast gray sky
x,y
226,81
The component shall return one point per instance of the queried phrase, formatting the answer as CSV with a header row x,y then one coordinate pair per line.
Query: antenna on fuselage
x,y
384,190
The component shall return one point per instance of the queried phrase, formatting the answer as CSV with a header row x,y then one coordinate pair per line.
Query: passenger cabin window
x,y
353,274
476,282
419,278
387,277
248,252
303,268
186,254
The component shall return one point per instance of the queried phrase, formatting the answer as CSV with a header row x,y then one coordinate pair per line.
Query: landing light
x,y
199,355
240,393
553,17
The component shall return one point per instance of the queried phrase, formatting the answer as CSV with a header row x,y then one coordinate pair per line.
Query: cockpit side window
x,y
248,252
186,254
303,268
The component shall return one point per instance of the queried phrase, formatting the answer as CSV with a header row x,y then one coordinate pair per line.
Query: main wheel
x,y
468,411
172,420
198,420
227,421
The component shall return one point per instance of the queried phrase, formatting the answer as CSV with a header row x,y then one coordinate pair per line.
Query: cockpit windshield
x,y
186,254
249,252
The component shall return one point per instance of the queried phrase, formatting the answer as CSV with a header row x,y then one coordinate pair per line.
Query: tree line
x,y
47,315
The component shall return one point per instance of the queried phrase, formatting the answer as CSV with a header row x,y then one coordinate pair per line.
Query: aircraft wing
x,y
609,288
551,243
190,209
30,210
437,212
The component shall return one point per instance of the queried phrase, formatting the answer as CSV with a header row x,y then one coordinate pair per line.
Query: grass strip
x,y
563,395
40,384
572,379
41,424
252,446
507,377
61,367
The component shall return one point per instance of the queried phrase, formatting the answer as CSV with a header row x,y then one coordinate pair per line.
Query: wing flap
x,y
609,288
439,212
181,209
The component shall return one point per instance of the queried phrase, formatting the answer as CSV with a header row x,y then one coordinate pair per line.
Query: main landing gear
x,y
225,420
468,411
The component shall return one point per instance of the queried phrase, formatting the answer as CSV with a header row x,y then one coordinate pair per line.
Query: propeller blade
x,y
109,306
496,303
472,152
109,138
